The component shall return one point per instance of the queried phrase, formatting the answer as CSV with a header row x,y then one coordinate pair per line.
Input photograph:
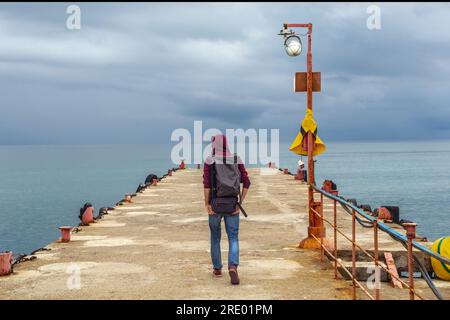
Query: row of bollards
x,y
87,217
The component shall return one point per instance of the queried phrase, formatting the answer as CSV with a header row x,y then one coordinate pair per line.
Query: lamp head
x,y
292,42
293,46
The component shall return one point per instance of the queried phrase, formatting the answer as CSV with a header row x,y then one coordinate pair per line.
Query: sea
x,y
42,187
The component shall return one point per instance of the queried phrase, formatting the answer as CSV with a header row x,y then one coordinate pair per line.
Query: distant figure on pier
x,y
301,173
223,173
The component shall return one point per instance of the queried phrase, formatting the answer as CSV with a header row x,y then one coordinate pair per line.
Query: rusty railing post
x,y
353,254
411,235
375,254
322,251
335,240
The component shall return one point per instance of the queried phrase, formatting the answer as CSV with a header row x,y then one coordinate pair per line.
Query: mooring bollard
x,y
5,263
285,171
326,186
270,164
198,166
154,182
88,216
65,233
169,173
127,198
384,214
182,165
411,235
330,187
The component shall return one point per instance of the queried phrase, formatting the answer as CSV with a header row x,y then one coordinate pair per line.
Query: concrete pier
x,y
158,248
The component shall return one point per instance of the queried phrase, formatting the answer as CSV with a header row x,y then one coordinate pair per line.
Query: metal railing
x,y
366,220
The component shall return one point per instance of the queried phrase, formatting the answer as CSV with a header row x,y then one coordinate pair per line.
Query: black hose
x,y
428,279
423,270
425,275
365,224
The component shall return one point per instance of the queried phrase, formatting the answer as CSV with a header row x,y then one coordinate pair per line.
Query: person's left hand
x,y
209,210
238,210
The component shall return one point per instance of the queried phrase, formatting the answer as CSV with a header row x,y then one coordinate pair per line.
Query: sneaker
x,y
234,278
217,273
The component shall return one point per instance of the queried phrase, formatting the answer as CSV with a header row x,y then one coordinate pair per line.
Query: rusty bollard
x,y
65,233
5,263
127,198
88,216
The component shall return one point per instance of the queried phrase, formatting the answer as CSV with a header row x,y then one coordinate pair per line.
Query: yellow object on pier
x,y
308,124
442,247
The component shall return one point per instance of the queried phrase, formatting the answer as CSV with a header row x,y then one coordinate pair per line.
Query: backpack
x,y
225,184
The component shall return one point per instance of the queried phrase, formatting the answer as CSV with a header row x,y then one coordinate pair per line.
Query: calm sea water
x,y
43,187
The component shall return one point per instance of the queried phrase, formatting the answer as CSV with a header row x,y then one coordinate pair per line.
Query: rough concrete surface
x,y
158,248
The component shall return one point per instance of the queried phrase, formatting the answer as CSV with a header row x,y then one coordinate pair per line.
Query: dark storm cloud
x,y
134,72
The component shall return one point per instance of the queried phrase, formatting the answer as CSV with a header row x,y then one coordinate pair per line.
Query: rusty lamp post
x,y
309,82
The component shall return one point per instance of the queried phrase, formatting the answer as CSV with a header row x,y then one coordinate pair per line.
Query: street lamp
x,y
308,146
292,42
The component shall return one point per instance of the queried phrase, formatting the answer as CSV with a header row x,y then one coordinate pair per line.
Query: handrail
x,y
367,254
408,242
346,270
384,227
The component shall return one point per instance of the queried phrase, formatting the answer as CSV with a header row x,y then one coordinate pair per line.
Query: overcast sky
x,y
135,72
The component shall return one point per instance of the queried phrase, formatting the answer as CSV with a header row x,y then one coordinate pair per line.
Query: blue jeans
x,y
232,228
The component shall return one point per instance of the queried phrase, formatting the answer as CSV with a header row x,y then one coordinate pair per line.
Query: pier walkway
x,y
158,248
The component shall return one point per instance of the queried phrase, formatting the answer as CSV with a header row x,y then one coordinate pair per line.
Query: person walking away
x,y
223,173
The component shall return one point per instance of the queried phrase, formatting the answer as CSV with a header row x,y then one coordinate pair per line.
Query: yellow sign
x,y
308,124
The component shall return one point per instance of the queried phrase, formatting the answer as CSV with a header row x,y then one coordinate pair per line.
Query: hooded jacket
x,y
220,149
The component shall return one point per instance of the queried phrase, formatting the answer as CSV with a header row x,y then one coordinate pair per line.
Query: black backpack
x,y
225,185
